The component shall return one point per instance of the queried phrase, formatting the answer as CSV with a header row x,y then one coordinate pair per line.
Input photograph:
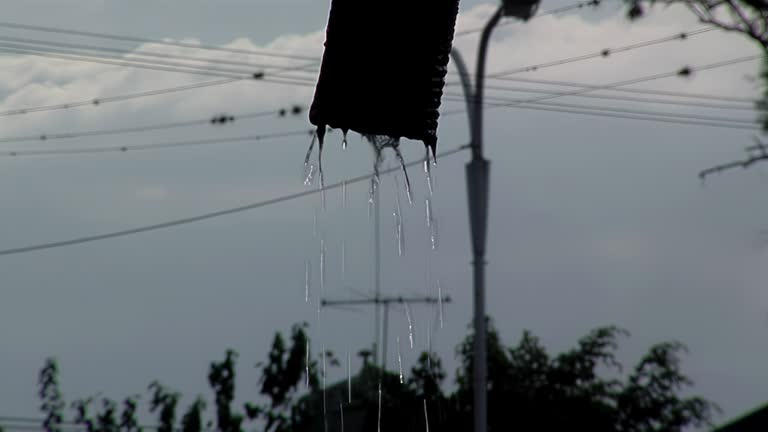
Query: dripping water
x,y
307,279
399,360
306,364
325,410
431,223
410,323
349,377
308,167
405,173
379,420
372,195
429,347
397,216
440,302
320,142
428,174
314,222
344,194
344,139
341,412
426,417
322,266
343,260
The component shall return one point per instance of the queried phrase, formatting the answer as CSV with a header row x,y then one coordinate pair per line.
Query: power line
x,y
618,109
146,147
152,41
215,120
612,112
574,6
212,215
156,65
536,107
83,47
606,52
628,90
686,71
97,101
721,106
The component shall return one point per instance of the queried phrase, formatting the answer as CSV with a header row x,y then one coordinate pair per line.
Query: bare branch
x,y
746,163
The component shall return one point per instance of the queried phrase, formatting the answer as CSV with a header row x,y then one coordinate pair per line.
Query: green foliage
x,y
222,380
583,388
52,402
128,420
164,403
531,390
192,421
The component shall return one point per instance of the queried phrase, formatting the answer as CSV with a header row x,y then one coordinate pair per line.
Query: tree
x,y
530,390
746,17
580,389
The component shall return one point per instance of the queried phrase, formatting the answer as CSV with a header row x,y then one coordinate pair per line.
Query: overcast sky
x,y
594,220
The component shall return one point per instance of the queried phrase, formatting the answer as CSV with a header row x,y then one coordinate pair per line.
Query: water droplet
x,y
344,139
379,420
433,237
399,360
309,168
325,409
343,260
397,216
410,323
426,417
314,222
322,266
431,223
306,364
429,347
440,302
428,173
405,173
344,194
307,279
341,412
372,195
349,376
321,186
309,174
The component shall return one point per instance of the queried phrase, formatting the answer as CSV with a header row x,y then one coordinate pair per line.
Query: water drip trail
x,y
307,279
399,360
322,266
428,174
410,323
344,139
431,223
341,412
379,420
397,216
349,377
440,302
309,168
309,175
325,409
405,173
426,417
314,222
306,364
372,195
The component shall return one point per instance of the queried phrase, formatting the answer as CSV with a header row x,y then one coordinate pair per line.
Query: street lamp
x,y
478,175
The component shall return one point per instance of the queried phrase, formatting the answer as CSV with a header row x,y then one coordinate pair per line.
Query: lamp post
x,y
478,175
